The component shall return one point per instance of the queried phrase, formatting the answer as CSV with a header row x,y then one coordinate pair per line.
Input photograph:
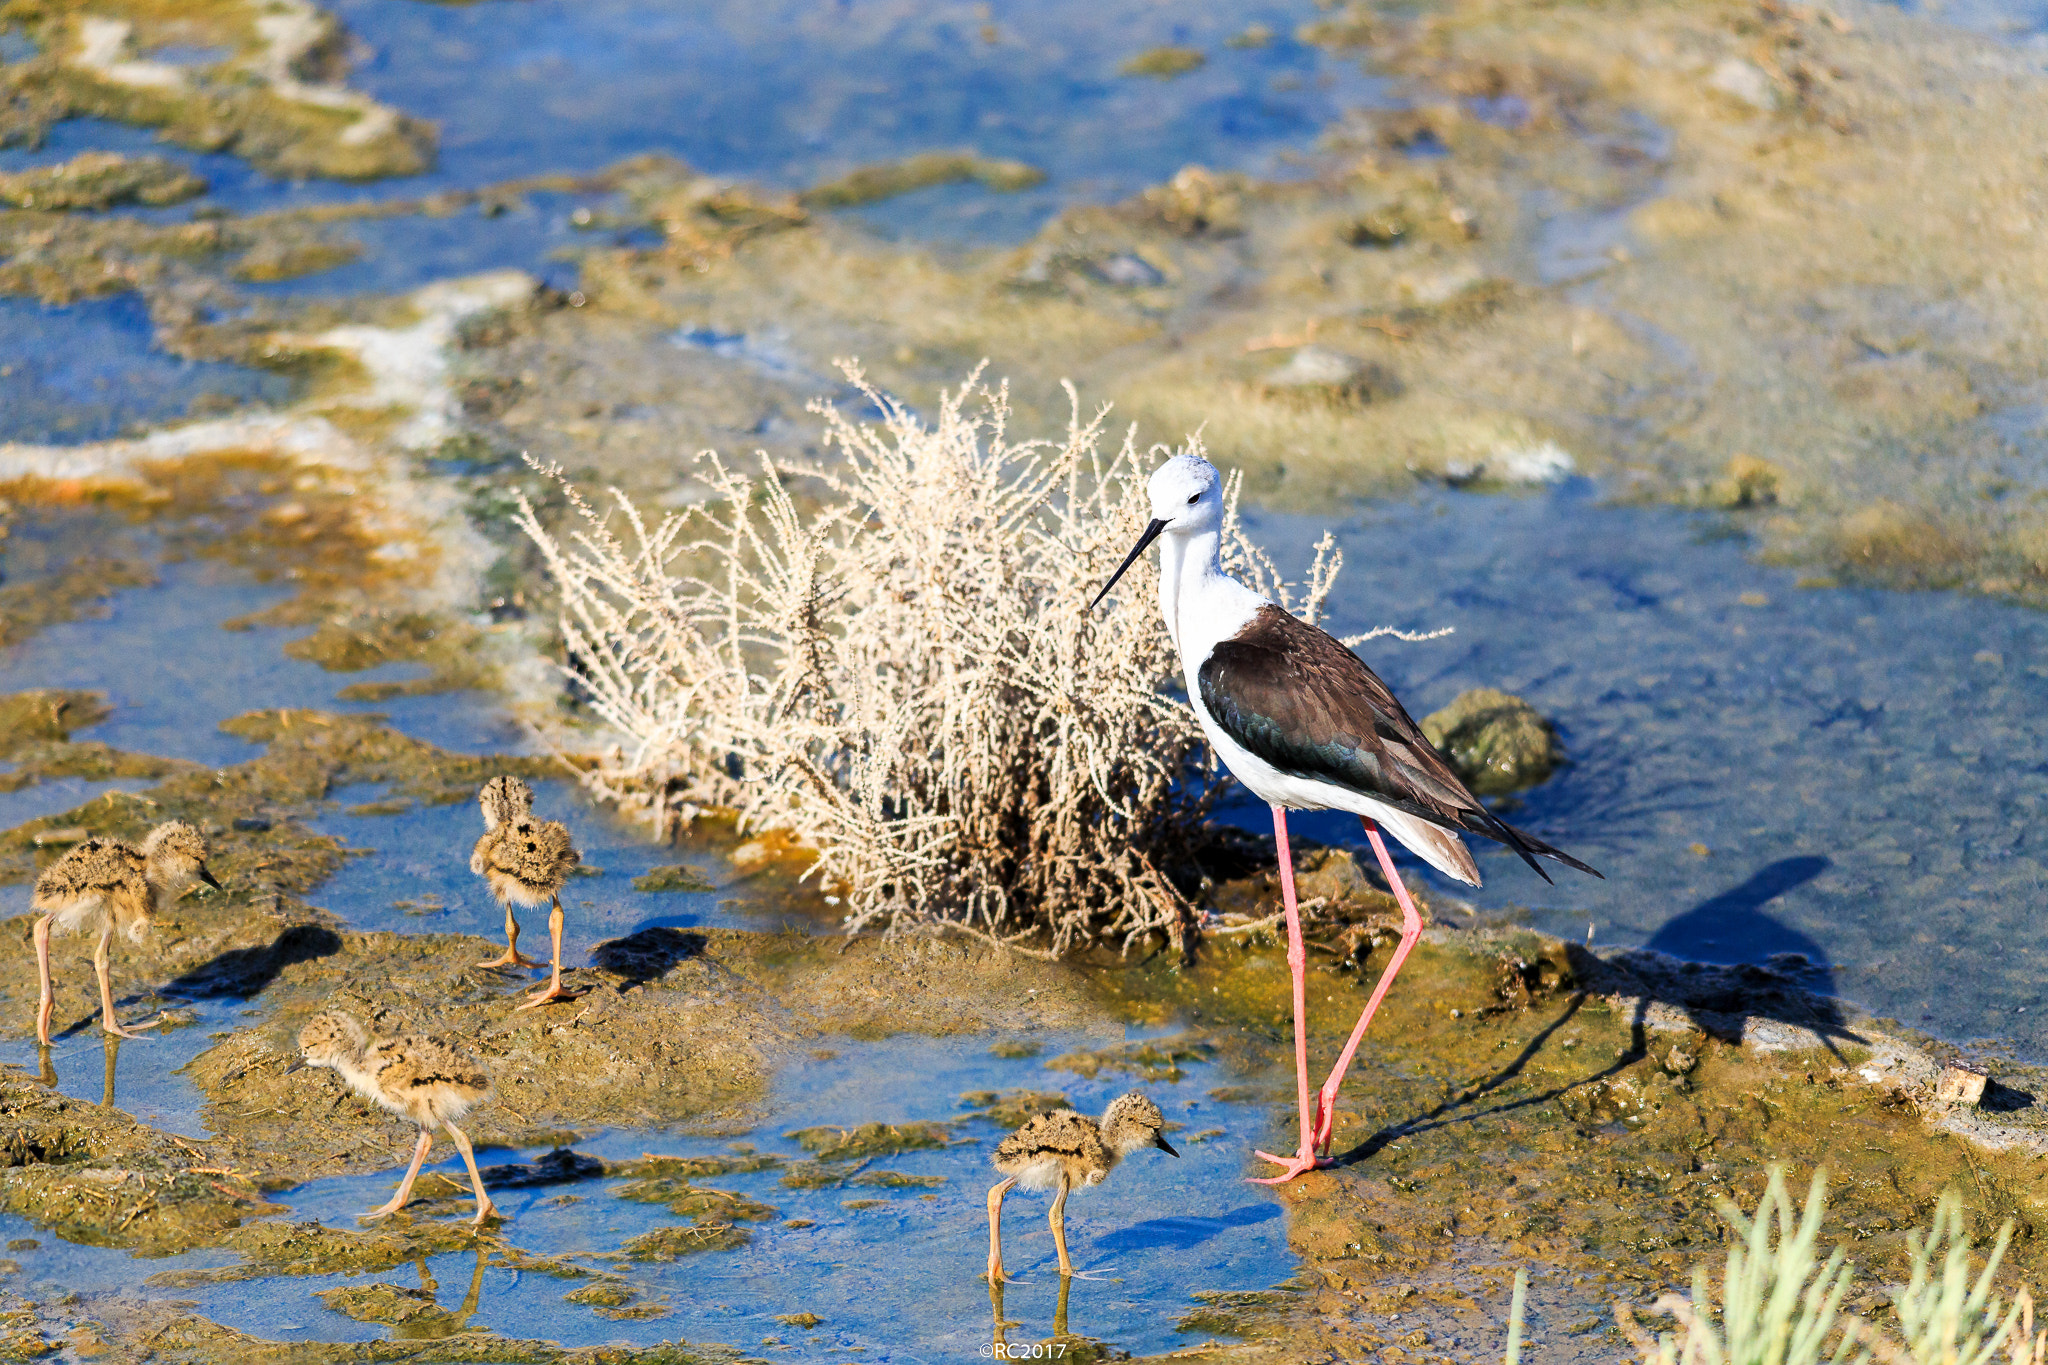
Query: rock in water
x,y
1497,742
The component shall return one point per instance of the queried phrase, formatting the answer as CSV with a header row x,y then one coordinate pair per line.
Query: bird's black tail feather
x,y
1525,843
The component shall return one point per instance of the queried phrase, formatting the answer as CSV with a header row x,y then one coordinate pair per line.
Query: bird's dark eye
x,y
1194,498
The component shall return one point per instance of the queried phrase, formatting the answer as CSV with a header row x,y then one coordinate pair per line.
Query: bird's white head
x,y
1187,495
1187,499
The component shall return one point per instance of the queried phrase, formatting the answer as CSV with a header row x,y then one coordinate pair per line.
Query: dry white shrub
x,y
901,672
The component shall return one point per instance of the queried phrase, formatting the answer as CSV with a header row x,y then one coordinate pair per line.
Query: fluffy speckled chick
x,y
428,1080
1064,1151
524,861
114,887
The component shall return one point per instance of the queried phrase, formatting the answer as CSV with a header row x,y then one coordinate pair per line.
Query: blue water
x,y
791,91
89,371
1863,768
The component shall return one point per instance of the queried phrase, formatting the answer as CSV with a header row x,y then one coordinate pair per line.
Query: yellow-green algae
x,y
871,184
274,100
1164,63
99,180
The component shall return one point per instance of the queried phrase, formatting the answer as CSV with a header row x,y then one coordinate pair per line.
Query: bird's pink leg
x,y
1411,931
1297,964
99,963
48,1001
412,1173
554,990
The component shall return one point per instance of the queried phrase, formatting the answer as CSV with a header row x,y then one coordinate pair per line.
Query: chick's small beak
x,y
207,877
1163,1145
299,1065
1151,534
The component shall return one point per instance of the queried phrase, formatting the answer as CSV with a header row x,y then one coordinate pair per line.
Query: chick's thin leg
x,y
484,1207
995,1231
1057,1216
412,1173
48,1001
511,957
99,964
554,990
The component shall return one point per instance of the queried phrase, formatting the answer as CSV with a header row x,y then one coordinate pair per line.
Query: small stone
x,y
1497,742
1963,1085
1318,367
251,824
1127,271
1745,83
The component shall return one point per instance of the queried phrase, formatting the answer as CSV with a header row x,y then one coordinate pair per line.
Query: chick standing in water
x,y
427,1080
115,886
525,862
1064,1150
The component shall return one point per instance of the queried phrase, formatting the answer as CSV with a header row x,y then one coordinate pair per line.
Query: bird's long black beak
x,y
1151,534
207,877
299,1065
1160,1142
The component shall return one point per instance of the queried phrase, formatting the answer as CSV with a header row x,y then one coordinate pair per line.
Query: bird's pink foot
x,y
120,1032
488,1210
512,957
554,992
381,1211
1291,1166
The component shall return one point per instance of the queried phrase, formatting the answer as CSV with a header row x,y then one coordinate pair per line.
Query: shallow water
x,y
1157,1231
1861,767
795,91
89,372
173,675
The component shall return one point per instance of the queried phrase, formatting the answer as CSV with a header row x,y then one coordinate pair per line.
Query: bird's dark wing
x,y
1295,697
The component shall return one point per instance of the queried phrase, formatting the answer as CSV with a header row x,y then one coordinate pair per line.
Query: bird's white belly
x,y
1040,1175
1440,848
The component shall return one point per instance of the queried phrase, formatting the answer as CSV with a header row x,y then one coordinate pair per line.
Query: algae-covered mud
x,y
1687,353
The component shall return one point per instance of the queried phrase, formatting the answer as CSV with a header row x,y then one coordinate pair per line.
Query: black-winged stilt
x,y
1305,725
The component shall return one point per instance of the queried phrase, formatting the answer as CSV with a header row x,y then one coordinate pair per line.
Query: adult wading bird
x,y
1305,725
525,862
114,886
427,1080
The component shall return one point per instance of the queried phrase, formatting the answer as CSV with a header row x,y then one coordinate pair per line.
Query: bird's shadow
x,y
244,972
1183,1233
1726,960
1791,986
647,954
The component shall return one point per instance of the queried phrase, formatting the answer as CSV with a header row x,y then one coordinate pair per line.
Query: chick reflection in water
x,y
1063,1344
46,1074
1065,1151
428,1080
